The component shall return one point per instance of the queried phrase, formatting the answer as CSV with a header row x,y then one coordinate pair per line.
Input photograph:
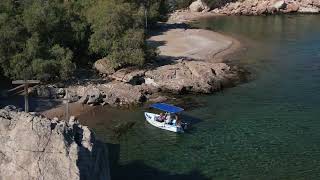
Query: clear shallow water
x,y
268,128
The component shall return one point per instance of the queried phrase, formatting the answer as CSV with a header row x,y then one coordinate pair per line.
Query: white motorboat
x,y
173,126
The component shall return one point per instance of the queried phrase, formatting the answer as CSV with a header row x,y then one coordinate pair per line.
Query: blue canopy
x,y
167,107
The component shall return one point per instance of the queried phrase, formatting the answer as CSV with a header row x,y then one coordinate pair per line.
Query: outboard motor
x,y
184,125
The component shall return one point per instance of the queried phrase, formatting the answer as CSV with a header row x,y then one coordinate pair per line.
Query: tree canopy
x,y
49,39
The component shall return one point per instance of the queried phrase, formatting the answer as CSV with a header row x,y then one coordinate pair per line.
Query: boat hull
x,y
151,118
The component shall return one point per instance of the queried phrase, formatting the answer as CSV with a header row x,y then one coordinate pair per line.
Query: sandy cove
x,y
198,44
178,42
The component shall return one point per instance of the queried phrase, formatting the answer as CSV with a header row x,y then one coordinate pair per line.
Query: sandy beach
x,y
194,44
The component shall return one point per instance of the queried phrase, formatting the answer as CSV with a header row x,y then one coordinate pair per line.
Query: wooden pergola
x,y
26,83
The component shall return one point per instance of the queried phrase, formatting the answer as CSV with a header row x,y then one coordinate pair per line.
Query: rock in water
x,y
199,6
33,147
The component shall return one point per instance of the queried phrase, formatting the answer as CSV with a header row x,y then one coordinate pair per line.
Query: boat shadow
x,y
138,170
191,121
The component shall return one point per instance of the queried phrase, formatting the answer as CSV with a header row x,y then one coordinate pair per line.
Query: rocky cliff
x,y
34,147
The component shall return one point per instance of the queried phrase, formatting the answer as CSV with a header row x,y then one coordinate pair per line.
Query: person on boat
x,y
161,118
178,121
169,119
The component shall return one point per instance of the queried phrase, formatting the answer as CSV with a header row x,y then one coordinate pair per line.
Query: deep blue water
x,y
268,128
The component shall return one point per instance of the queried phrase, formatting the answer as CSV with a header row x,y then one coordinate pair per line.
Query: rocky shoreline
x,y
183,76
191,61
255,7
198,9
35,147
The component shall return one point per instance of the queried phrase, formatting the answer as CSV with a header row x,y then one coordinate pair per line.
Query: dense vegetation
x,y
48,39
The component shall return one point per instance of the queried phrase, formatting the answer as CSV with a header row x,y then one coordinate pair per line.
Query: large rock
x,y
90,94
33,147
191,76
104,66
129,75
119,93
199,6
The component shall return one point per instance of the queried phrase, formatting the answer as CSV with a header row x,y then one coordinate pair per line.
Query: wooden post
x,y
26,83
26,99
67,106
146,16
67,100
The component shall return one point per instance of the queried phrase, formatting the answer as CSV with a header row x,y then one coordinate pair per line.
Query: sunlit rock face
x,y
193,76
34,147
258,7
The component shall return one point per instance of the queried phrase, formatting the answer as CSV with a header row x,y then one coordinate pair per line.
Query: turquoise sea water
x,y
268,128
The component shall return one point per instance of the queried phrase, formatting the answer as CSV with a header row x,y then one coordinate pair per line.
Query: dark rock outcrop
x,y
34,147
